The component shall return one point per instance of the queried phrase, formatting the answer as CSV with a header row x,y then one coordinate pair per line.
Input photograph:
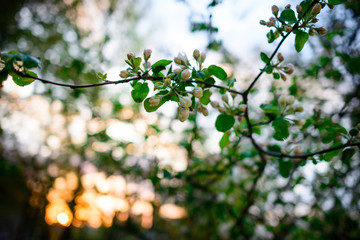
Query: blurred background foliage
x,y
91,164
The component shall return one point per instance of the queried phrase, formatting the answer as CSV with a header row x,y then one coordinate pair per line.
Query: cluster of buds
x,y
199,57
202,109
283,70
288,103
185,103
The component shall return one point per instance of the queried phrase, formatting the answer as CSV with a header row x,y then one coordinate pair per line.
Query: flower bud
x,y
203,57
299,109
124,74
288,29
185,102
167,81
196,54
262,22
282,100
311,32
181,59
314,20
147,65
289,69
242,107
321,30
214,104
155,101
299,9
177,70
316,9
203,110
198,92
183,114
186,74
283,77
331,6
280,57
288,6
158,85
147,54
130,56
270,24
300,123
290,100
275,10
221,109
225,98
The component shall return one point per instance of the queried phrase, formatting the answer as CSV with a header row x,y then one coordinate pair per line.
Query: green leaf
x,y
3,75
336,2
160,65
274,148
347,154
224,122
101,76
30,61
230,83
288,15
270,110
329,155
205,99
264,57
271,36
276,75
285,168
23,81
281,127
224,140
136,61
140,92
300,40
217,72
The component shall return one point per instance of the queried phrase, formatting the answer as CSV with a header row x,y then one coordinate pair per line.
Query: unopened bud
x,y
196,54
283,77
221,109
321,30
158,85
331,6
290,100
225,98
203,57
288,29
183,114
147,54
314,20
198,92
181,59
124,74
316,9
262,22
311,32
177,70
130,56
275,10
297,150
300,123
155,100
289,69
299,9
167,81
273,20
203,110
270,24
185,75
242,107
282,100
299,109
288,6
147,65
214,104
280,57
185,102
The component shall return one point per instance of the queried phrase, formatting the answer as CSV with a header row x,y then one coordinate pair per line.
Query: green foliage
x,y
288,15
281,127
160,65
300,39
224,122
140,91
336,2
217,72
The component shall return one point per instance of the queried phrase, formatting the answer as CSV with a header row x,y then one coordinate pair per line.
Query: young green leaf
x,y
23,81
224,141
217,72
285,168
140,92
205,99
160,65
264,57
281,127
300,40
29,61
336,2
224,122
288,15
